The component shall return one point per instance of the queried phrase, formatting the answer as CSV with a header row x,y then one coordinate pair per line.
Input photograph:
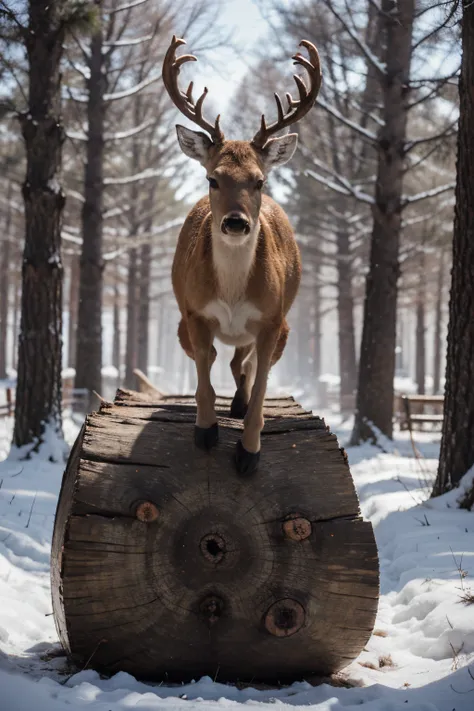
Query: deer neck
x,y
233,265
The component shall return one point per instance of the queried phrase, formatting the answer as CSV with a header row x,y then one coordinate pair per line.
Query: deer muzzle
x,y
235,223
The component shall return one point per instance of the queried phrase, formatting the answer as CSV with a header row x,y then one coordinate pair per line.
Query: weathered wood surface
x,y
167,565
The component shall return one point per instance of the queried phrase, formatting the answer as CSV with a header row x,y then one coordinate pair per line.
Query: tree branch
x,y
364,132
352,32
448,132
410,199
133,90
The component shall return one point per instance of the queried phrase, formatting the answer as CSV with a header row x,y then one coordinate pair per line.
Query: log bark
x,y
38,392
167,565
374,409
89,326
457,443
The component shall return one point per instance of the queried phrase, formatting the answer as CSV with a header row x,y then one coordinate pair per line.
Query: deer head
x,y
237,170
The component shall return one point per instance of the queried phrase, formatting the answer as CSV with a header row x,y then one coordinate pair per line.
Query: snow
x,y
420,657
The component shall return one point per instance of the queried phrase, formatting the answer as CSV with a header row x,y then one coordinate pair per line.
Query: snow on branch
x,y
75,195
68,237
364,132
122,8
133,89
348,191
76,135
85,72
119,135
143,175
410,199
339,184
144,238
449,202
129,42
447,132
71,92
363,46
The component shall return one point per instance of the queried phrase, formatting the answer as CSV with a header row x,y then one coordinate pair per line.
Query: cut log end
x,y
167,565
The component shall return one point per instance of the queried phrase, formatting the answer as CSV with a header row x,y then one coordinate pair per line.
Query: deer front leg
x,y
206,433
243,366
248,448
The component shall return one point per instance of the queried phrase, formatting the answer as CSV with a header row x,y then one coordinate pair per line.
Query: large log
x,y
167,565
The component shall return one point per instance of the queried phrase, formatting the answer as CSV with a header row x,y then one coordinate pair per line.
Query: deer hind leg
x,y
269,348
243,366
206,431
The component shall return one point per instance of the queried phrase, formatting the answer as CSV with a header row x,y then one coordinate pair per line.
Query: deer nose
x,y
235,223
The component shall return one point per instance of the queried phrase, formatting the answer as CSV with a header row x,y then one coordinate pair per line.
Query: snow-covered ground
x,y
420,657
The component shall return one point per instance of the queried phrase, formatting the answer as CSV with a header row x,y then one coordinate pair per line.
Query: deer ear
x,y
194,144
278,151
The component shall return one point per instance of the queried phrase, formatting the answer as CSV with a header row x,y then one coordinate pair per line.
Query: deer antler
x,y
184,100
296,108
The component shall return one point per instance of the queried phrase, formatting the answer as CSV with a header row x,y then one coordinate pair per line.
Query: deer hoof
x,y
206,437
238,407
246,462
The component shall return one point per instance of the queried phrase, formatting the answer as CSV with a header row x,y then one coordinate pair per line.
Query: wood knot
x,y
284,618
211,609
147,512
297,528
213,547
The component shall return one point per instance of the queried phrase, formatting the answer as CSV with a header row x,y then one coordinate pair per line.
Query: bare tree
x,y
38,391
457,443
5,284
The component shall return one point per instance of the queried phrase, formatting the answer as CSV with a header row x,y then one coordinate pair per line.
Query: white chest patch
x,y
232,320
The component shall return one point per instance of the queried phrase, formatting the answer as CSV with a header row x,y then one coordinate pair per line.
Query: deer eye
x,y
260,184
213,183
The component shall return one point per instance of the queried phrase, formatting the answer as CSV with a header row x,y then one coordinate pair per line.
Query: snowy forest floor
x,y
417,659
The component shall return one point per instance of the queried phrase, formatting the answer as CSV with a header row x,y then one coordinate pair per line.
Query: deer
x,y
237,266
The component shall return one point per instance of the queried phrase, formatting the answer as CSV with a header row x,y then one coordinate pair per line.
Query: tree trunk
x,y
16,307
437,350
420,357
377,360
345,301
317,335
38,392
420,347
131,360
5,286
457,442
345,310
73,309
116,343
132,314
161,330
89,327
400,351
144,306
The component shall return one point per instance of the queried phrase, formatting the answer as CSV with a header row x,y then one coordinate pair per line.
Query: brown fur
x,y
271,284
